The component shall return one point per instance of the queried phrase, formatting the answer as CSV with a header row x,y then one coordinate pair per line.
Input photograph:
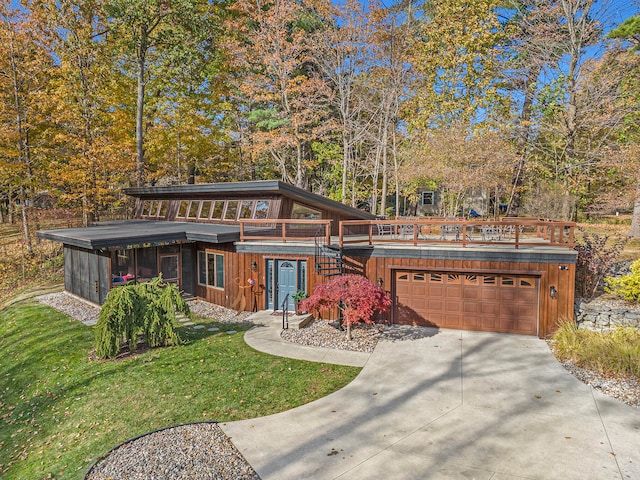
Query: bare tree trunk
x,y
634,231
25,222
524,133
142,52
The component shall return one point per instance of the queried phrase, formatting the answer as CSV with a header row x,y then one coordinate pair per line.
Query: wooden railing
x,y
506,231
284,229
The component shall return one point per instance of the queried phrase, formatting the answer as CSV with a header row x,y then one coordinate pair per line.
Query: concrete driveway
x,y
448,404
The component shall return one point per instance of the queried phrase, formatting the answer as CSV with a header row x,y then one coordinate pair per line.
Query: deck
x,y
506,232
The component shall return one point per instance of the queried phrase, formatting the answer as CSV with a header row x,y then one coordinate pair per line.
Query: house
x,y
252,245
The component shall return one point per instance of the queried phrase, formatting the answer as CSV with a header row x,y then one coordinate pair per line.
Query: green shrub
x,y
627,286
147,309
615,352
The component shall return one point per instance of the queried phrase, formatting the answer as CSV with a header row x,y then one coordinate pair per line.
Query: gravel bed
x,y
76,308
220,314
196,451
624,389
319,333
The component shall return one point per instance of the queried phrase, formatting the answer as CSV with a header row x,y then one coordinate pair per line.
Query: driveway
x,y
448,404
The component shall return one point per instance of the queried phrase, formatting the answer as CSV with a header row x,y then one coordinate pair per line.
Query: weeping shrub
x,y
147,309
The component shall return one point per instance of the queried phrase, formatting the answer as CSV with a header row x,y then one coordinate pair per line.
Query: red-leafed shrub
x,y
357,297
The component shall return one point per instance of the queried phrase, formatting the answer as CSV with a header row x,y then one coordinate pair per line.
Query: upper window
x,y
246,209
231,212
182,211
427,198
205,210
262,209
302,212
193,209
218,208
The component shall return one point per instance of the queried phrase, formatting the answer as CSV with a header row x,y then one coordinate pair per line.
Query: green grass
x,y
59,410
616,352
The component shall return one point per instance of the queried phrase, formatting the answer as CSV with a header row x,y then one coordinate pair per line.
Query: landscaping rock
x,y
191,452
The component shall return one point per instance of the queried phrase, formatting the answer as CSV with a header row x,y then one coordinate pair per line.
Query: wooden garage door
x,y
486,302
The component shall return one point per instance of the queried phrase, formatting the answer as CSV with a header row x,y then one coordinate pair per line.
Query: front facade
x,y
253,245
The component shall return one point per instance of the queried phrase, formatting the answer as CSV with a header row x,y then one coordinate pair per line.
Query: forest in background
x,y
533,101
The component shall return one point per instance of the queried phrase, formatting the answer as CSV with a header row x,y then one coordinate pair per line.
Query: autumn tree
x,y
157,38
281,92
629,30
460,165
459,63
86,155
25,70
339,51
356,296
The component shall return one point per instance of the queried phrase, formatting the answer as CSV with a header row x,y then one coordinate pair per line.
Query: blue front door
x,y
285,282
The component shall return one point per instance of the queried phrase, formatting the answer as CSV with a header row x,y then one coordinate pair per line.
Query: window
x,y
162,211
419,277
302,212
246,208
205,210
426,198
508,281
182,211
211,269
262,209
218,207
232,210
149,208
193,209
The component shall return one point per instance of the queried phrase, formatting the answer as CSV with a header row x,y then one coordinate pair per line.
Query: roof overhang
x,y
129,234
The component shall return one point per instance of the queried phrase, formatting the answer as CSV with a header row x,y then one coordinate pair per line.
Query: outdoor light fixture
x,y
553,291
380,281
254,266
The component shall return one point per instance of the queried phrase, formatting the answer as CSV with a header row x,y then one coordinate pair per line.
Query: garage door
x,y
485,302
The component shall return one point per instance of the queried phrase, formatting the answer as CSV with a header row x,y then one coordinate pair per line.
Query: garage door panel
x,y
501,303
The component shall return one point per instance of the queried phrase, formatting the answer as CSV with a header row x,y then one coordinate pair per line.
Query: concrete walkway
x,y
445,404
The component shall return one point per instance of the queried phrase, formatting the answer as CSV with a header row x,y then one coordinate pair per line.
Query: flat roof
x,y
125,234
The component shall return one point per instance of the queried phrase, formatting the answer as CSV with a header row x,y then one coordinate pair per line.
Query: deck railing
x,y
506,231
284,230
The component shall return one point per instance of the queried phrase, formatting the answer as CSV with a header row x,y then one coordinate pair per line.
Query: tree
x,y
25,71
284,97
339,50
630,30
156,38
147,309
460,65
356,296
460,164
85,154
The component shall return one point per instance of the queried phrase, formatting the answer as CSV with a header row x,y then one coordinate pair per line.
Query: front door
x,y
285,282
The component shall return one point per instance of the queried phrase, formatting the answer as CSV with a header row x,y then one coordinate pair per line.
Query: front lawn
x,y
59,410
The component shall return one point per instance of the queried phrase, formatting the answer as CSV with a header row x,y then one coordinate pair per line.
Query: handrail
x,y
507,231
285,312
280,224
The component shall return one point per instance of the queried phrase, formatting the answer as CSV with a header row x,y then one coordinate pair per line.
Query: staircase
x,y
328,257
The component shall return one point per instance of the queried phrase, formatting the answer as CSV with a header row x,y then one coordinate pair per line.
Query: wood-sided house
x,y
252,245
